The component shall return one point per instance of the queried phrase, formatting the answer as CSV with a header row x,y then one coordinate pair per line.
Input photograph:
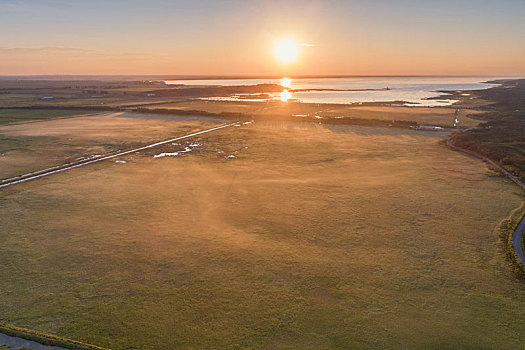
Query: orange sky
x,y
237,38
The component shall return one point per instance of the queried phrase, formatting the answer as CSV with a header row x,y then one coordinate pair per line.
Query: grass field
x,y
12,116
502,135
35,146
312,237
75,93
422,115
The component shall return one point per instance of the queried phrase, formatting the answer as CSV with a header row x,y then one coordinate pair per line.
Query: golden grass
x,y
313,237
35,146
421,115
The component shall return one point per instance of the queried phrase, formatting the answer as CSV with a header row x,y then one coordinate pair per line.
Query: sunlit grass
x,y
312,237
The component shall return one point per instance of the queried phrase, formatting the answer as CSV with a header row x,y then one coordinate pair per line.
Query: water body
x,y
14,343
411,90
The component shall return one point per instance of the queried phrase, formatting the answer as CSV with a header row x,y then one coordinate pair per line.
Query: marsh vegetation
x,y
312,236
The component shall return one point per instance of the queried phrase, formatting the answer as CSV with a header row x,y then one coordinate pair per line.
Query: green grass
x,y
45,339
93,93
502,141
502,136
314,237
506,230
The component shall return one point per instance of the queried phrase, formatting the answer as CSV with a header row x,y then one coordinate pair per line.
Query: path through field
x,y
54,170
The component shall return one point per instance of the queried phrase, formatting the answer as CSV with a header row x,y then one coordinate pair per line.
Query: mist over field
x,y
262,175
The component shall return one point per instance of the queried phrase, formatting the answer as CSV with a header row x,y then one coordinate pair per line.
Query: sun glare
x,y
285,96
286,51
285,82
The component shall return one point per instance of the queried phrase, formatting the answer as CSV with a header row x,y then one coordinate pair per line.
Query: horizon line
x,y
245,76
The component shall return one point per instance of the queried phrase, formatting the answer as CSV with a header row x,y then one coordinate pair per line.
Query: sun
x,y
286,51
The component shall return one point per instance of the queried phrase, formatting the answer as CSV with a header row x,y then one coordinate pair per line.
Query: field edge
x,y
46,339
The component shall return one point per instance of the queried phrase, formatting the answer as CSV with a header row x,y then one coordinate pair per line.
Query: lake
x,y
410,90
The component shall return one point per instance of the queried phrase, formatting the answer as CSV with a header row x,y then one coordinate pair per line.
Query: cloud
x,y
44,49
307,45
65,51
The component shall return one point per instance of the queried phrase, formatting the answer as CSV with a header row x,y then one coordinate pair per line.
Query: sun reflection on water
x,y
285,82
285,96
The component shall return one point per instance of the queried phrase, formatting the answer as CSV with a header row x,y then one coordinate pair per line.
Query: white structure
x,y
428,127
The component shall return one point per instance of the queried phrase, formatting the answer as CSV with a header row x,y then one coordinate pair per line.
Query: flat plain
x,y
26,147
269,235
270,110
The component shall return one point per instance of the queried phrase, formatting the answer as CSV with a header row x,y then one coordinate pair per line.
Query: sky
x,y
204,37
